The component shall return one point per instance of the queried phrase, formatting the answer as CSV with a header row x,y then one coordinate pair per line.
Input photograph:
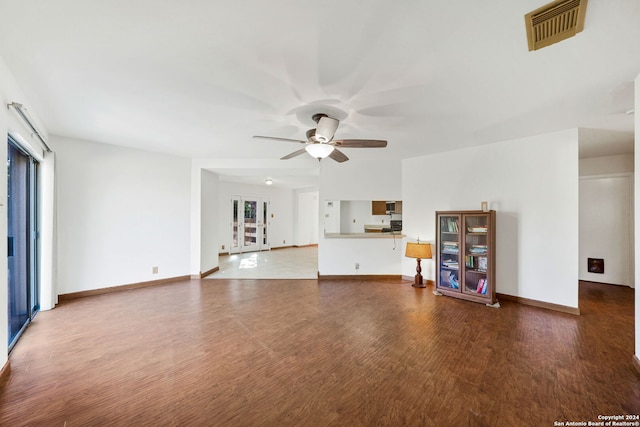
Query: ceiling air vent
x,y
555,22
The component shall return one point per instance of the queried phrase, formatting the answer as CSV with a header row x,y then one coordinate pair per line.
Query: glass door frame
x,y
30,277
449,256
476,246
239,225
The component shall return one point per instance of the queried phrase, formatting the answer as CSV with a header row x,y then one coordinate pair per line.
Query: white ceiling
x,y
198,78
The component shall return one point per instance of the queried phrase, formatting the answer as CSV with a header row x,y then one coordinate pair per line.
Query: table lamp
x,y
419,251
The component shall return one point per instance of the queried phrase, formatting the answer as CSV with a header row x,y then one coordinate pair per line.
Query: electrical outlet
x,y
223,247
357,266
284,241
154,270
354,220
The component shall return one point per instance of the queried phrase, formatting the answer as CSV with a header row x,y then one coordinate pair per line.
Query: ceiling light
x,y
630,112
319,151
268,181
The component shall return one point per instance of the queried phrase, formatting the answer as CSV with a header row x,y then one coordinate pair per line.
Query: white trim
x,y
22,142
259,246
609,175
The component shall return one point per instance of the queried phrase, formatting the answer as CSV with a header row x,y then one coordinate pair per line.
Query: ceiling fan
x,y
320,142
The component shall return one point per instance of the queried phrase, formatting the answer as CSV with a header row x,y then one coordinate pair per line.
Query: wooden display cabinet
x,y
465,255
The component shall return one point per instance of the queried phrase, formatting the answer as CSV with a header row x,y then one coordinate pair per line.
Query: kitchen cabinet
x,y
384,207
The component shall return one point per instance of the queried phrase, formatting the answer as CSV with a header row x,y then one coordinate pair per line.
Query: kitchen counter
x,y
380,235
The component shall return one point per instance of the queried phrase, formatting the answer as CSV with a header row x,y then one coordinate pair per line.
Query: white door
x,y
248,232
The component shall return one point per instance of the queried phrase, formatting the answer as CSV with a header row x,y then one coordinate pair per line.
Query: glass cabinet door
x,y
476,254
449,252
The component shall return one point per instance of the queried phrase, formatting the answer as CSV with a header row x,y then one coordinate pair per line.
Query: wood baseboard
x,y
636,362
223,253
539,304
305,246
4,372
362,277
92,292
206,273
412,279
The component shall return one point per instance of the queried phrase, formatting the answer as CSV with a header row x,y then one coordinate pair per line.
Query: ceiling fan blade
x,y
294,154
274,138
338,156
359,143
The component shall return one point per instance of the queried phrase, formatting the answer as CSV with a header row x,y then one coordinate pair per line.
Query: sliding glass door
x,y
22,240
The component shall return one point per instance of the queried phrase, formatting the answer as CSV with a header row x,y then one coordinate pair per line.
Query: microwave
x,y
391,207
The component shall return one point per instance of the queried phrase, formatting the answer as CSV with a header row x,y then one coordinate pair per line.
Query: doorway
x,y
606,227
22,240
249,224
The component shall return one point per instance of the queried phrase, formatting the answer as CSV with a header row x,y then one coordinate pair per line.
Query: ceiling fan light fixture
x,y
319,151
326,129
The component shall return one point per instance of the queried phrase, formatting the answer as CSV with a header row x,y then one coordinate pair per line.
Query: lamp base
x,y
418,282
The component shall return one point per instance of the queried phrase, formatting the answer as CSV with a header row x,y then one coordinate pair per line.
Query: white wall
x,y
622,163
359,180
120,212
330,216
281,225
209,220
354,214
606,228
532,183
636,199
307,218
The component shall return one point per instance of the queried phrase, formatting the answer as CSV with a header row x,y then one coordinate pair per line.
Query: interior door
x,y
265,226
251,230
248,231
236,225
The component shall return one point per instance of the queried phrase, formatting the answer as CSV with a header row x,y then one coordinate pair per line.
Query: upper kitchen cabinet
x,y
383,207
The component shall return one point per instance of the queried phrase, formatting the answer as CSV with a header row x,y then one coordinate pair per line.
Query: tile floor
x,y
288,263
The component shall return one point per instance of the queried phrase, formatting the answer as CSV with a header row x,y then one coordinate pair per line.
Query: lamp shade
x,y
319,151
418,250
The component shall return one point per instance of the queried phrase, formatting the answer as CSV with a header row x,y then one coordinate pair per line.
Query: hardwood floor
x,y
308,353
